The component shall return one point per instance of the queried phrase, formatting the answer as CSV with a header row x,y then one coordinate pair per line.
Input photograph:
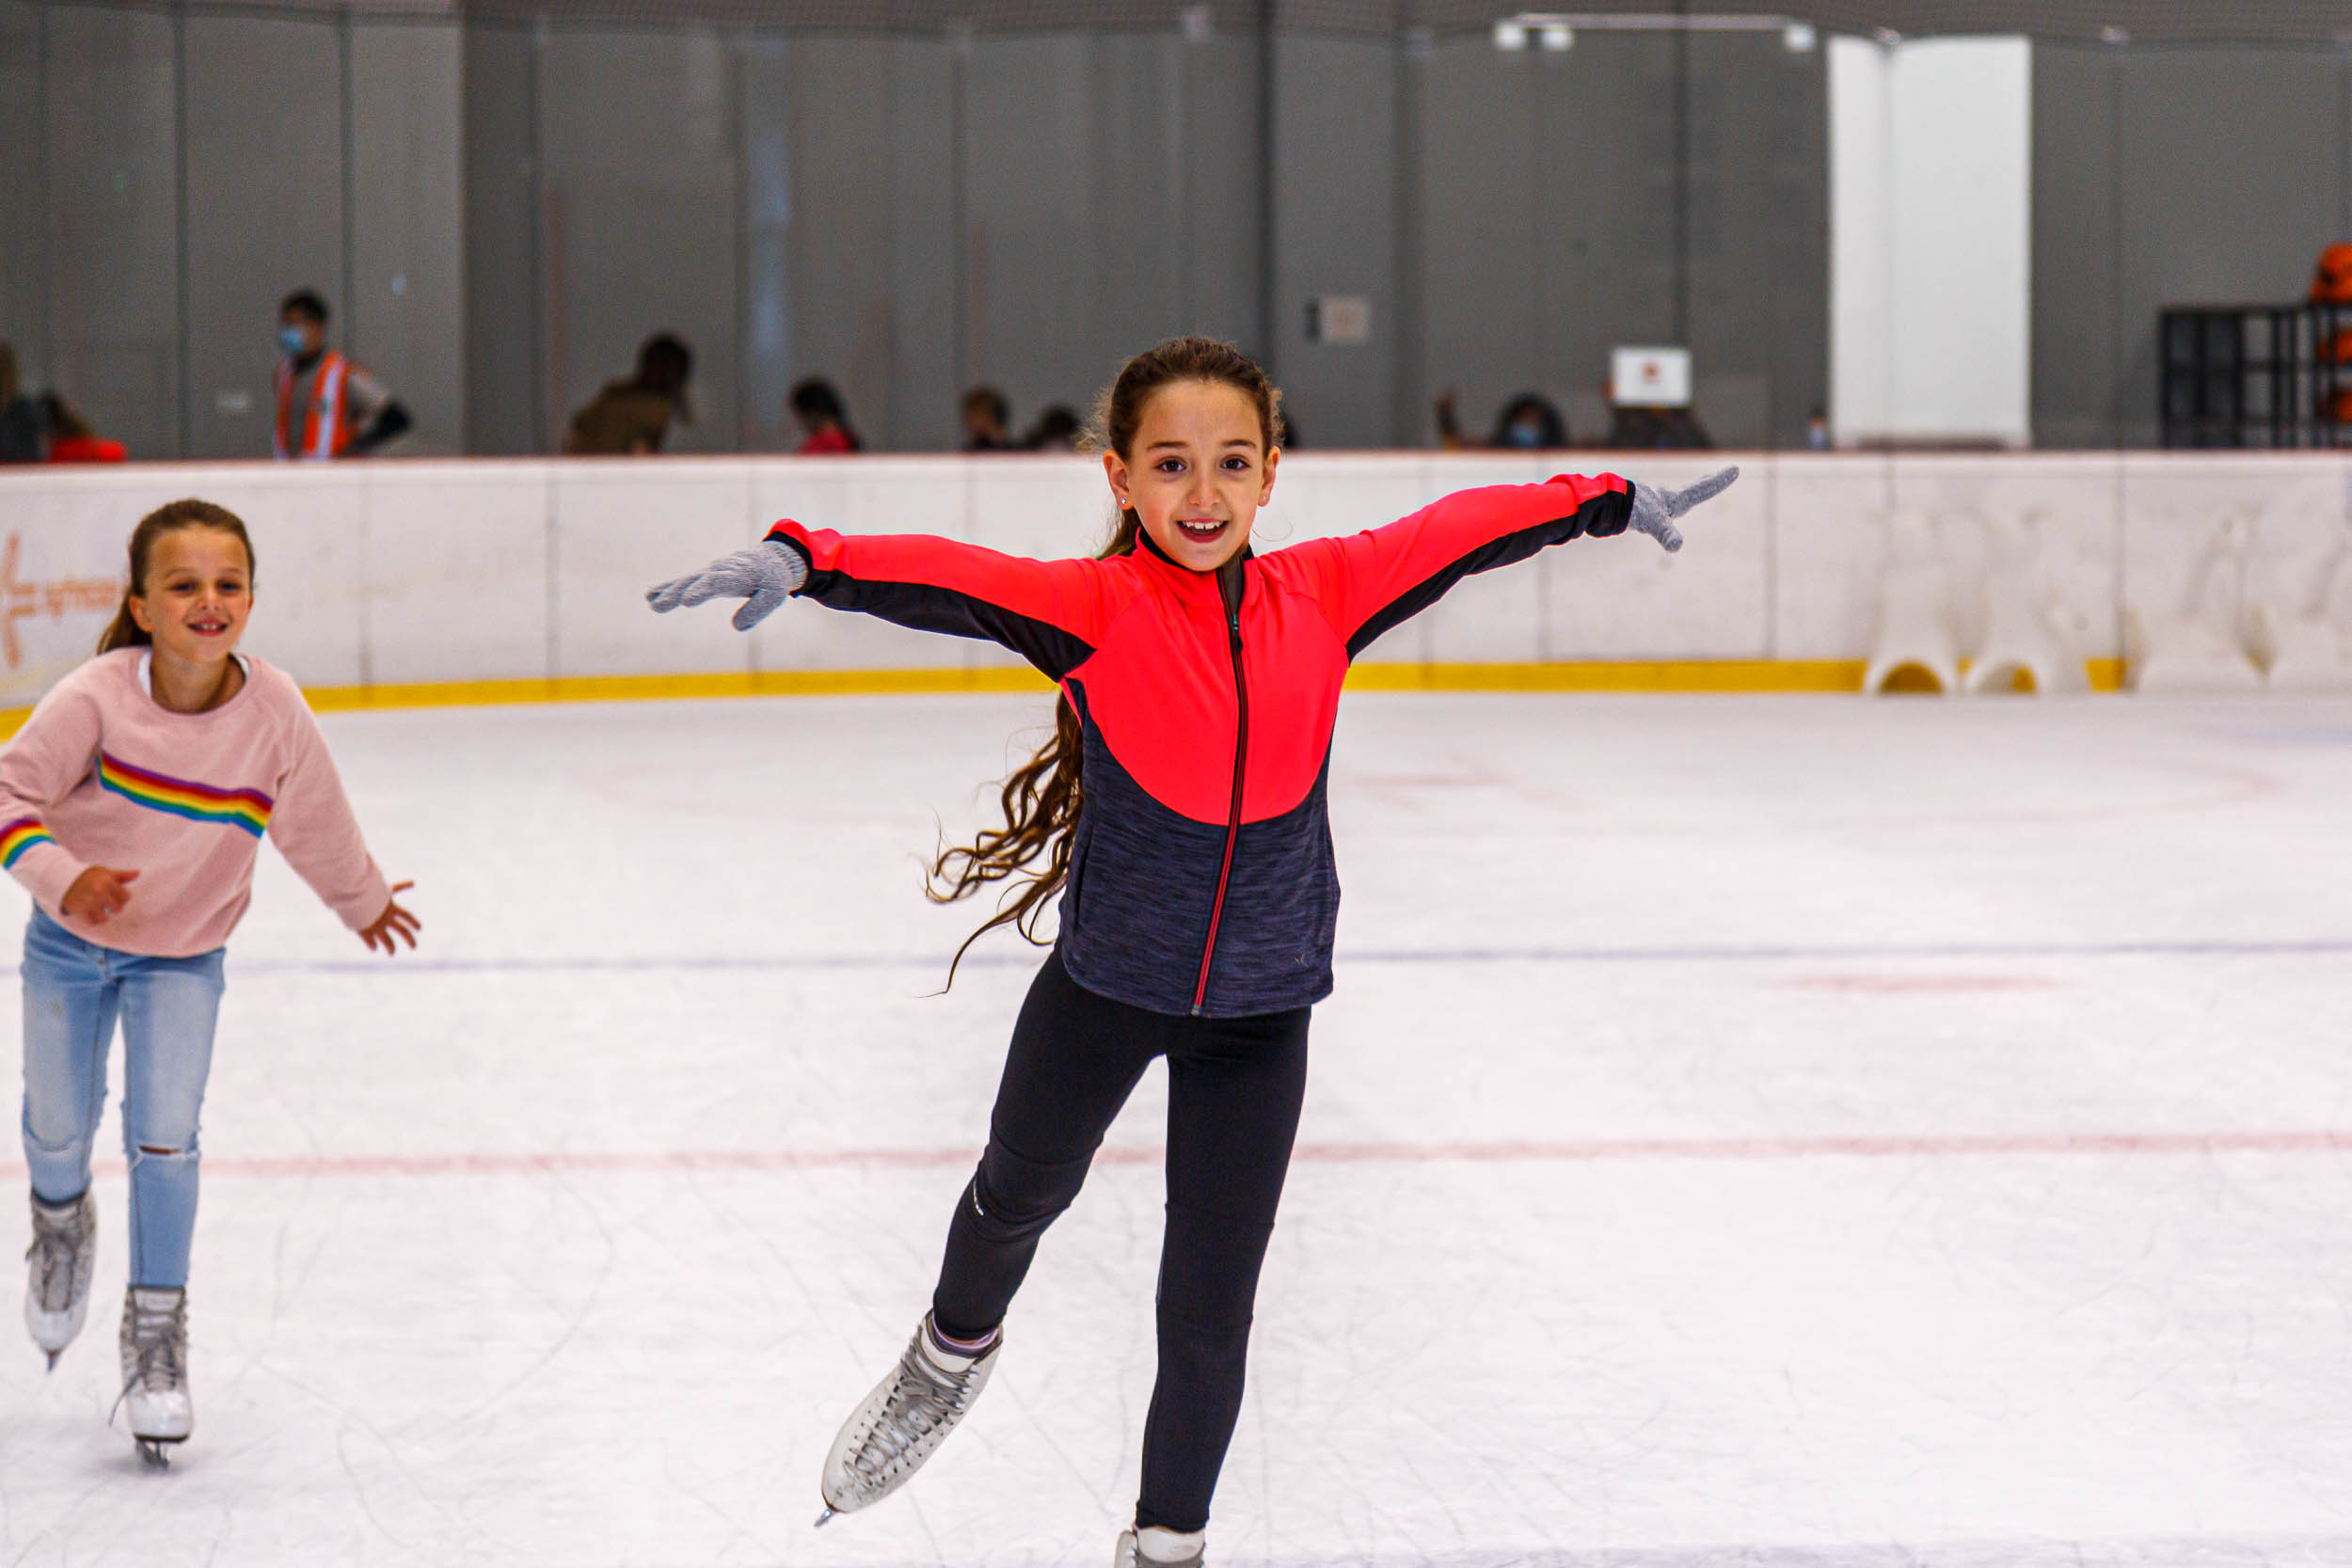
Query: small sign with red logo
x,y
1649,377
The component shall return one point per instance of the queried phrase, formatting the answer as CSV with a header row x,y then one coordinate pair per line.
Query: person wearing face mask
x,y
1179,812
327,407
1529,422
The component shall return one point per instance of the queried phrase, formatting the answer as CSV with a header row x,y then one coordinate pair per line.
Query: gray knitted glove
x,y
1654,509
766,574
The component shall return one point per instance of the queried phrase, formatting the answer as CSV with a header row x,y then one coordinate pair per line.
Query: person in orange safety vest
x,y
326,405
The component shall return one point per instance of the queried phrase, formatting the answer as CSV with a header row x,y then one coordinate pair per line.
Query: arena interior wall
x,y
425,581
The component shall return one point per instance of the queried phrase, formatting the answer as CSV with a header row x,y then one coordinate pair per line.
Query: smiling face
x,y
197,595
1196,472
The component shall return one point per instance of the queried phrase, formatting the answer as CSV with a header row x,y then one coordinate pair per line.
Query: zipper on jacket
x,y
1232,818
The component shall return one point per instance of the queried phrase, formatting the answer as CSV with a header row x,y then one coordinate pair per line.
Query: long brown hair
x,y
170,517
1042,799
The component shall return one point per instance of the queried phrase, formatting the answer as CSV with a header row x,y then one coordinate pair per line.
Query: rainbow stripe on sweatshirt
x,y
19,836
248,809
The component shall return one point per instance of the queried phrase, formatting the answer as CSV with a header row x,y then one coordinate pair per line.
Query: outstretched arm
x,y
1050,613
313,827
1370,581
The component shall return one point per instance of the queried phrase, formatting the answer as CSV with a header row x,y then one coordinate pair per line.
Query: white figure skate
x,y
901,1423
155,1370
57,1272
1154,1547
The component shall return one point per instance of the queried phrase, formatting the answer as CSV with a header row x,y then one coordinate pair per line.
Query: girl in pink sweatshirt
x,y
132,804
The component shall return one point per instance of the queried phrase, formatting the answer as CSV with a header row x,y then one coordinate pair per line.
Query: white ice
x,y
1747,1131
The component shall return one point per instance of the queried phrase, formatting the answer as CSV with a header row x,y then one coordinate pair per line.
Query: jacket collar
x,y
1189,581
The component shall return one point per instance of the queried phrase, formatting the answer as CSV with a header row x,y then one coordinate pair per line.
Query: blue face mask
x,y
1528,436
291,342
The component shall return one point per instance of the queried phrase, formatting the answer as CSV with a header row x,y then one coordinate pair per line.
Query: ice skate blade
x,y
53,1358
825,1519
154,1451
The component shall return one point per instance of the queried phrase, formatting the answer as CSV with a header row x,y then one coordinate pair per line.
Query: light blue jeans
x,y
74,992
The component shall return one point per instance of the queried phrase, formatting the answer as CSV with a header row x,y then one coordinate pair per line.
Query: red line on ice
x,y
657,1162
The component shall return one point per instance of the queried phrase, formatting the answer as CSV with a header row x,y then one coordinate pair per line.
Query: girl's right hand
x,y
98,892
766,576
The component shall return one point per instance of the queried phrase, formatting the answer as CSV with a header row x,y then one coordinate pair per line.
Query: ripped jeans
x,y
73,991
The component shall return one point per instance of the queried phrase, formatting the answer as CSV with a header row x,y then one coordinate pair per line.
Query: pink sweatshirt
x,y
103,774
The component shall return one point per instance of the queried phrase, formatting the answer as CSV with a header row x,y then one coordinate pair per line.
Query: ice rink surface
x,y
1747,1132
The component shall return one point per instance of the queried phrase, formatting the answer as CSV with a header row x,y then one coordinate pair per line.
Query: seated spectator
x,y
1056,430
1637,429
19,417
72,441
632,417
986,421
824,420
1529,422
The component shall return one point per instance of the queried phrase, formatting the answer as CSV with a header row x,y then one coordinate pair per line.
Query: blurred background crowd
x,y
519,226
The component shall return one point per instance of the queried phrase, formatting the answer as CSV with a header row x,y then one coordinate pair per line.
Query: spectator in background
x,y
1529,422
72,441
1633,428
326,405
632,417
986,421
19,417
1056,430
823,419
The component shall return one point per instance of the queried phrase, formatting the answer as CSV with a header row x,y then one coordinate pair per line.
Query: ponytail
x,y
124,631
1042,798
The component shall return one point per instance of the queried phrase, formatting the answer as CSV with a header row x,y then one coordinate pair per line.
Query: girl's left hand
x,y
393,922
1654,509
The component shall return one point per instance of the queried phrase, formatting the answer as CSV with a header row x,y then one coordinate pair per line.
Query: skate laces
x,y
55,1240
925,1402
159,1344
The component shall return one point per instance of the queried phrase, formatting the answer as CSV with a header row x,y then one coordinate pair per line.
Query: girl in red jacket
x,y
1179,811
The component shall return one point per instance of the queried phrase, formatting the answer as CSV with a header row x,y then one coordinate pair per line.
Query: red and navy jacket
x,y
1201,878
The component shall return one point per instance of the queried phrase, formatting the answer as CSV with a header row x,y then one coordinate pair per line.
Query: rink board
x,y
394,581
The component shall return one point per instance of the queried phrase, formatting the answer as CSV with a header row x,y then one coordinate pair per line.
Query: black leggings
x,y
1233,1091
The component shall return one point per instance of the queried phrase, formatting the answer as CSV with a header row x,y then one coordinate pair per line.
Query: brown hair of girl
x,y
125,632
1042,799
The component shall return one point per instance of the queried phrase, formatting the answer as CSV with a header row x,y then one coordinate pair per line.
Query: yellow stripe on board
x,y
1757,674
627,689
1677,675
1666,676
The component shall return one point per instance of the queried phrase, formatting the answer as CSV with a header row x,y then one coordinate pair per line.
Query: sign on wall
x,y
59,588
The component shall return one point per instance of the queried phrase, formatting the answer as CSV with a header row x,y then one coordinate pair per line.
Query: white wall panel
x,y
878,495
620,527
457,573
2073,502
1627,598
1931,250
2174,507
1828,541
